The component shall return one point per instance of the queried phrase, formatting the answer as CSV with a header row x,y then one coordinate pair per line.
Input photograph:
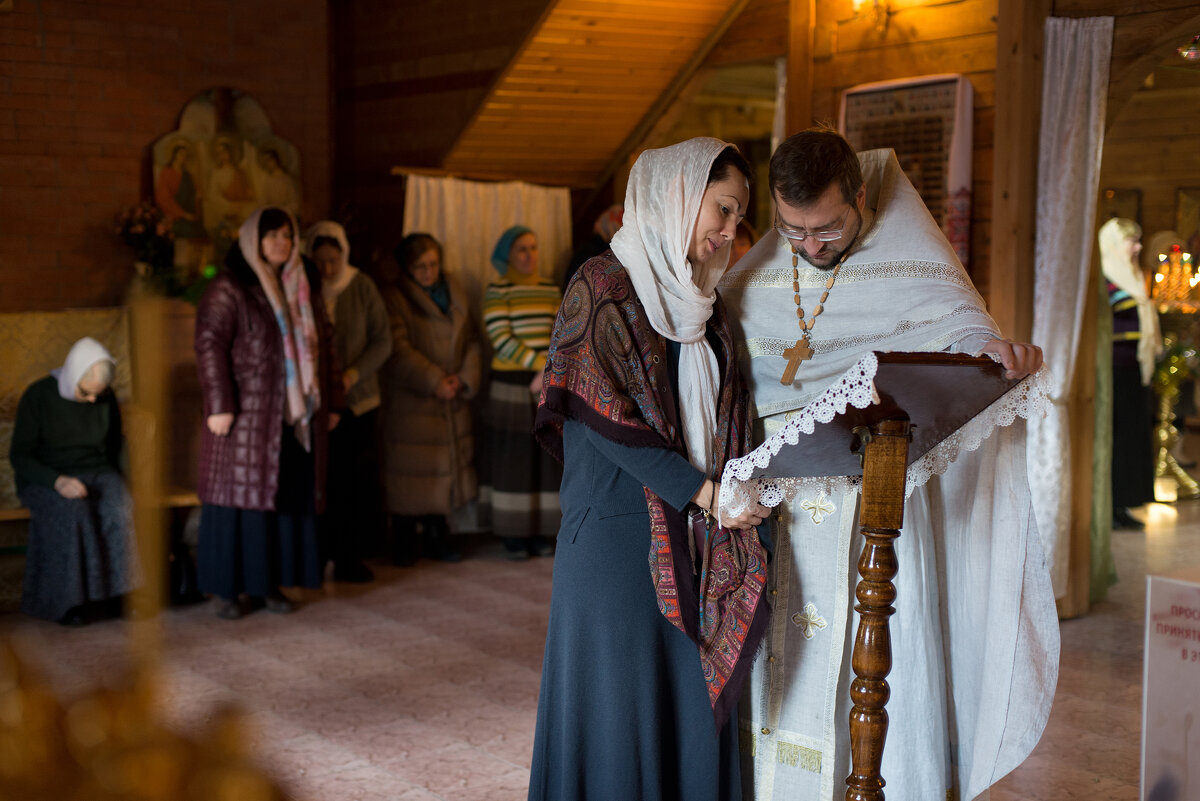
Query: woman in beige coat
x,y
434,371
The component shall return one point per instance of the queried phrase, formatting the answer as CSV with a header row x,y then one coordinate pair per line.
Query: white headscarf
x,y
83,355
331,289
662,203
1125,273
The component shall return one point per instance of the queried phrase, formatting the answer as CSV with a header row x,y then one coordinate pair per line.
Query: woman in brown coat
x,y
265,358
429,452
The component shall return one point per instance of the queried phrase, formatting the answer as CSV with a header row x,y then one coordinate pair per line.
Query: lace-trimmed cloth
x,y
856,388
608,369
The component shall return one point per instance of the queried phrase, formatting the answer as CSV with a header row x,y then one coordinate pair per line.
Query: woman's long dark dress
x,y
623,712
1133,410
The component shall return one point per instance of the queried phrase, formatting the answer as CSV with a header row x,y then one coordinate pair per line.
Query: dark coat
x,y
239,355
429,455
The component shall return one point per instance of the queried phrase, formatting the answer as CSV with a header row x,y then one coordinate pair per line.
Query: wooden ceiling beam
x,y
638,136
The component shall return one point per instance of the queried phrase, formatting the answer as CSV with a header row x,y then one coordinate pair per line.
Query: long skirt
x,y
255,552
1133,439
80,549
525,479
623,711
353,523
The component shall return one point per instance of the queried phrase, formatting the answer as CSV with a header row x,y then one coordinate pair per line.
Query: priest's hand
x,y
70,487
220,424
1019,359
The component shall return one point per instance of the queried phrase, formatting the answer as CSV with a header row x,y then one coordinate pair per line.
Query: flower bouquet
x,y
144,229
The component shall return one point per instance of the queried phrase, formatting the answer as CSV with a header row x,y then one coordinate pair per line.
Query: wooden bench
x,y
174,499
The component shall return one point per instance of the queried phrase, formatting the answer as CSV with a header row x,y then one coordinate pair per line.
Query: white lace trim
x,y
857,388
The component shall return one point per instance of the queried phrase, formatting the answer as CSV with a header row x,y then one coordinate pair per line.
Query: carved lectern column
x,y
885,458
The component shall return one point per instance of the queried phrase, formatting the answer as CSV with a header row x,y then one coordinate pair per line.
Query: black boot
x,y
404,540
516,548
537,545
1122,519
437,539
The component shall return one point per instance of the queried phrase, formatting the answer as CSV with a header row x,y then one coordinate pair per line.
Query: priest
x,y
855,263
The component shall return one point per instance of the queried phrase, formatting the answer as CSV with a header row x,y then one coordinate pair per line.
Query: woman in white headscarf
x,y
1137,343
66,457
264,355
643,402
362,339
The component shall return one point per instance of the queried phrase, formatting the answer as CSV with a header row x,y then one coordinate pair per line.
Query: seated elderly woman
x,y
66,449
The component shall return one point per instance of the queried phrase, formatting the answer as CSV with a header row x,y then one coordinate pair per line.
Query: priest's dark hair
x,y
729,158
805,165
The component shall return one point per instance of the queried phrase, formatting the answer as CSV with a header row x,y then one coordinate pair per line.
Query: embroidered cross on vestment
x,y
819,508
809,620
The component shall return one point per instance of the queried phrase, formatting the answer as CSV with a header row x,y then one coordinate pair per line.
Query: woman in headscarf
x,y
435,370
353,519
518,313
66,457
264,351
1136,345
658,601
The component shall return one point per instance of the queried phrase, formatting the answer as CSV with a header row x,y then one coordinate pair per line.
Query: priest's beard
x,y
826,258
830,256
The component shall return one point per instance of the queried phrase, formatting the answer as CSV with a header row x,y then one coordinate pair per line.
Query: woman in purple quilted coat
x,y
264,353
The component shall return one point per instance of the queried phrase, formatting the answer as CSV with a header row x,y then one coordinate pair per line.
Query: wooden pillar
x,y
1019,47
145,433
885,463
802,17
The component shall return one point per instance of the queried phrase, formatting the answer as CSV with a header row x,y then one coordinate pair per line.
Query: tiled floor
x,y
417,687
423,685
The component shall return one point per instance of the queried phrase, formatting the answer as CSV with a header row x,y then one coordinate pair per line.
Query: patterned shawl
x,y
608,369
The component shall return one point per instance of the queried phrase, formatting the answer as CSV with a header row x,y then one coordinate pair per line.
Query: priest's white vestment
x,y
975,634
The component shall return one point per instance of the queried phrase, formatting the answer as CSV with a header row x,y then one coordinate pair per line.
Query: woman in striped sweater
x,y
518,313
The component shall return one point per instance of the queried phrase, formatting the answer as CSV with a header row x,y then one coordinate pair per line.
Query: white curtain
x,y
467,217
1074,90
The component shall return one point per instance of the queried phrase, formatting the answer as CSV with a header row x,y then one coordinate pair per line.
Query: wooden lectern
x,y
923,398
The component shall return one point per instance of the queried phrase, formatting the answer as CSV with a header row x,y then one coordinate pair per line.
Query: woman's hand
x,y
1018,358
350,378
70,487
535,386
220,424
708,498
746,520
447,388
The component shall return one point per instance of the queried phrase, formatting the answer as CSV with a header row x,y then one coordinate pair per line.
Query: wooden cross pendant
x,y
800,352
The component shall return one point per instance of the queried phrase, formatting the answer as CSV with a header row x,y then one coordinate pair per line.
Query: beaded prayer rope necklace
x,y
802,351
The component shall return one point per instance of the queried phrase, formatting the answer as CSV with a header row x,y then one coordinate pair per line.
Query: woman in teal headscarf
x,y
518,313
